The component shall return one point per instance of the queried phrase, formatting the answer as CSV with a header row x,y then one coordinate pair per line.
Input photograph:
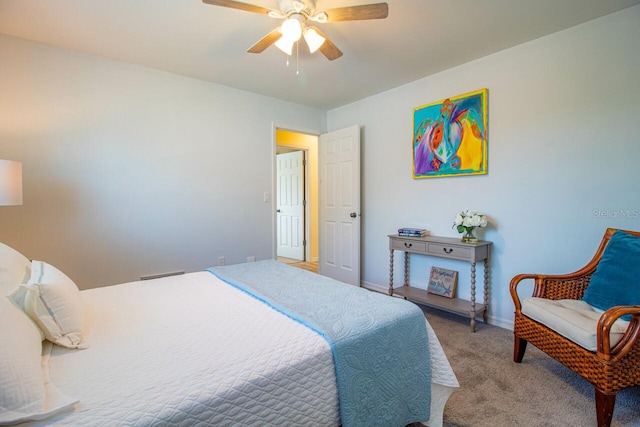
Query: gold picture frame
x,y
442,282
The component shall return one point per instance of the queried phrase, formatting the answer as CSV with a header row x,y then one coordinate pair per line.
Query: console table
x,y
442,247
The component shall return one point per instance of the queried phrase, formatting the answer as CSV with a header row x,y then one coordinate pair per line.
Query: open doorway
x,y
307,145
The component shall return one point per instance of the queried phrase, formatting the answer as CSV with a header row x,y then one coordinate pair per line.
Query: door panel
x,y
346,236
339,169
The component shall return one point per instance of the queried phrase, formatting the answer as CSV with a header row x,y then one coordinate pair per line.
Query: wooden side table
x,y
443,247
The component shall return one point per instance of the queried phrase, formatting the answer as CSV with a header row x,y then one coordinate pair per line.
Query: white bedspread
x,y
168,352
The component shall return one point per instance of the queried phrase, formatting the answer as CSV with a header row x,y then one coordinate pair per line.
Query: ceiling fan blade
x,y
327,48
266,41
238,5
356,13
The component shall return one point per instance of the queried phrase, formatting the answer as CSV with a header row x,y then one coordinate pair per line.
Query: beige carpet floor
x,y
497,392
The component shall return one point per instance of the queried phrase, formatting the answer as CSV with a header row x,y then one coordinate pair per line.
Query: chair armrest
x,y
513,288
629,339
555,287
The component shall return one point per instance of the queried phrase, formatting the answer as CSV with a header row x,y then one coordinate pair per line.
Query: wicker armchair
x,y
608,369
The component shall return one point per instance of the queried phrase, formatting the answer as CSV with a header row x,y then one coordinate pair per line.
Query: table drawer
x,y
447,251
409,245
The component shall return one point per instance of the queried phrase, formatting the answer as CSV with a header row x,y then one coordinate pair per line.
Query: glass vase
x,y
468,236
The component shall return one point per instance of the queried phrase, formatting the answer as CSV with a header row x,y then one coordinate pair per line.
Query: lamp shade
x,y
291,31
313,39
10,183
292,28
285,45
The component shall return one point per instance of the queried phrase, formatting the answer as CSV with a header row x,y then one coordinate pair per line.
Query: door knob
x,y
352,215
278,210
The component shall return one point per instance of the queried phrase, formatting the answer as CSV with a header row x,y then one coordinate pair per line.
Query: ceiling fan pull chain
x,y
297,58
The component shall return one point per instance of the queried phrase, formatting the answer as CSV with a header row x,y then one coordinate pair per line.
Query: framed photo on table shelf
x,y
442,282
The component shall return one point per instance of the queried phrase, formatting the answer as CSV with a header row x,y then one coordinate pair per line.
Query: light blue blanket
x,y
379,343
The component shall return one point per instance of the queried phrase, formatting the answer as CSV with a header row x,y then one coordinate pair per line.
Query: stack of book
x,y
413,232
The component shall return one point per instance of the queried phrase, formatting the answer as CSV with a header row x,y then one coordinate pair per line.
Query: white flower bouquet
x,y
466,221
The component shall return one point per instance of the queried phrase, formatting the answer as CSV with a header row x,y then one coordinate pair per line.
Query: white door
x,y
290,200
339,174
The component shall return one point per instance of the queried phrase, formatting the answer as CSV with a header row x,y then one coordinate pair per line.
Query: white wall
x,y
130,171
564,150
127,170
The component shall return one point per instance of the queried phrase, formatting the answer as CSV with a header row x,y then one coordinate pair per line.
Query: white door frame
x,y
274,143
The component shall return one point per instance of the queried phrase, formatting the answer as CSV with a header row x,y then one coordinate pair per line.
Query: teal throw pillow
x,y
616,280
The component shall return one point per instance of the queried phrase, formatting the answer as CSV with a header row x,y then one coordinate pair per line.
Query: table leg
x,y
473,297
406,268
486,289
391,272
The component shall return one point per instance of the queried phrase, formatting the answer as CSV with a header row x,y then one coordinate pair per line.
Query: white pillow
x,y
54,302
25,393
21,385
17,297
15,268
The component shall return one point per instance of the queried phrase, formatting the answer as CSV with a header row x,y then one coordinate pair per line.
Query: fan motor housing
x,y
287,6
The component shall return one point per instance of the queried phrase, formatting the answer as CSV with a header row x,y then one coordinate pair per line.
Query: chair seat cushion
x,y
573,319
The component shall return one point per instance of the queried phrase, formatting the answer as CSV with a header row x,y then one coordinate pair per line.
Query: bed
x,y
203,349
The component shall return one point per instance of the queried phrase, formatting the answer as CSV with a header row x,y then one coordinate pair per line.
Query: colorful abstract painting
x,y
450,136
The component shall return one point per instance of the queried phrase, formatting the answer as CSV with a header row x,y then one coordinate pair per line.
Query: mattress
x,y
192,350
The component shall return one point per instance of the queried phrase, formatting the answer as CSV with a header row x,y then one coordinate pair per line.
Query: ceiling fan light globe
x,y
313,39
285,45
291,29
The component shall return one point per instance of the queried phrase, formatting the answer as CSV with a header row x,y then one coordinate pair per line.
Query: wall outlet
x,y
251,259
220,260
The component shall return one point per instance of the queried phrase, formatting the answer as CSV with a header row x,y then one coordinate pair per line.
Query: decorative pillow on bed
x,y
54,302
21,385
15,268
24,393
17,297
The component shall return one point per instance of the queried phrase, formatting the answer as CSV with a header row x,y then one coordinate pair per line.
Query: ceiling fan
x,y
297,14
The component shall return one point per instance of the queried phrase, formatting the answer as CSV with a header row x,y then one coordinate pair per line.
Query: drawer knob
x,y
447,250
408,245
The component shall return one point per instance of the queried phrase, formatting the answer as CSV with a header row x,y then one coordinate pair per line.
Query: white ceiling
x,y
190,38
